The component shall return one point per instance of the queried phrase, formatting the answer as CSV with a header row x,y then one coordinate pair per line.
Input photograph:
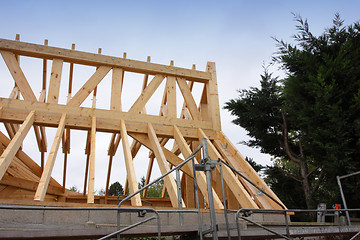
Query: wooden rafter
x,y
169,182
8,155
45,177
200,176
130,169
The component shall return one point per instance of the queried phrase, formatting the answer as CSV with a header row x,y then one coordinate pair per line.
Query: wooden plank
x,y
148,175
45,177
44,70
89,86
204,106
91,188
238,162
40,51
14,93
230,180
116,88
171,97
189,100
200,176
170,156
29,185
146,94
169,181
130,169
9,130
33,166
55,78
80,118
213,98
86,172
8,155
108,177
18,75
21,82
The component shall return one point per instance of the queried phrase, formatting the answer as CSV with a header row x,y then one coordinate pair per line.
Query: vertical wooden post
x,y
213,98
91,188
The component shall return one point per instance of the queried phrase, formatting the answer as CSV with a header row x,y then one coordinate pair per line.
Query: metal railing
x,y
248,211
46,208
180,211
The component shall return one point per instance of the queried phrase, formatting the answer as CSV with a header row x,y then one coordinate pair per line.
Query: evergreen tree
x,y
310,120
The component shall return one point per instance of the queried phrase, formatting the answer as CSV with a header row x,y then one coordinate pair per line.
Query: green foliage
x,y
155,190
310,120
74,189
257,167
116,189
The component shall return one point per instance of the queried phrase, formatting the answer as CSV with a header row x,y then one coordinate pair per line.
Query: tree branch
x,y
291,175
286,140
316,186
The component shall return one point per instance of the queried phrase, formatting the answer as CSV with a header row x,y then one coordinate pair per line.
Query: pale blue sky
x,y
234,34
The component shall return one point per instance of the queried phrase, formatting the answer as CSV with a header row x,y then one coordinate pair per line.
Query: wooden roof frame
x,y
196,121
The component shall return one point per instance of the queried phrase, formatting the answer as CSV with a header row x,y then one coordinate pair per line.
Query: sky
x,y
236,35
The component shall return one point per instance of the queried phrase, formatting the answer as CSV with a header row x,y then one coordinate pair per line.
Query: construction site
x,y
210,191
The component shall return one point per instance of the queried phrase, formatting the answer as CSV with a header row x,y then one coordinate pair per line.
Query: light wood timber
x,y
189,100
18,75
55,78
9,130
238,189
87,163
200,176
148,175
130,169
108,177
213,98
238,162
10,151
78,57
89,86
204,107
171,97
45,177
170,156
46,42
21,82
169,181
80,118
29,185
146,94
195,122
116,88
91,188
36,169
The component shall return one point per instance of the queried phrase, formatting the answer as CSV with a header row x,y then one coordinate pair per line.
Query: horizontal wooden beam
x,y
28,185
47,114
92,59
